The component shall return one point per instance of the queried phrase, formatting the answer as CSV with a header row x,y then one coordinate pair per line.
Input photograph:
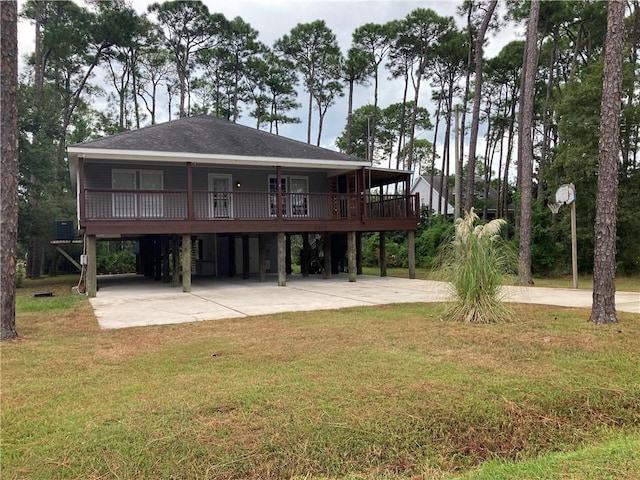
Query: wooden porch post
x,y
351,254
81,194
175,248
157,258
288,269
411,253
282,267
383,254
262,258
186,263
246,257
326,245
359,253
279,192
305,255
92,268
190,209
165,259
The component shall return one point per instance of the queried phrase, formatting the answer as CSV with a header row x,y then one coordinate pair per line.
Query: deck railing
x,y
104,204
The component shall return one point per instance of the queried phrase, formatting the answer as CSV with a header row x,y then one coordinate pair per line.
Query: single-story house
x,y
442,192
430,196
205,196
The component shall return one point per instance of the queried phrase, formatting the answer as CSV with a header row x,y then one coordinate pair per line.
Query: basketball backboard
x,y
566,193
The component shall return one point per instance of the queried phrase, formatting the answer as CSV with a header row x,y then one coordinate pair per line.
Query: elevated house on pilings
x,y
203,196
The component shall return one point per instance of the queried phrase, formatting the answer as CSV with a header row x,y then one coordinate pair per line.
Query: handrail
x,y
116,204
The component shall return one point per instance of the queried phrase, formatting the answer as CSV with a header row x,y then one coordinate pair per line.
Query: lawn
x,y
360,393
623,284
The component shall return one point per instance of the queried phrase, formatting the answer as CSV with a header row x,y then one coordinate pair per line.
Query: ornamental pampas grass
x,y
475,262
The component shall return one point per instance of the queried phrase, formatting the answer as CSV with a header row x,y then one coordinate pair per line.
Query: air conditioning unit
x,y
64,230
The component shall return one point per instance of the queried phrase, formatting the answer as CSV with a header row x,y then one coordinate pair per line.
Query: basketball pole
x,y
574,245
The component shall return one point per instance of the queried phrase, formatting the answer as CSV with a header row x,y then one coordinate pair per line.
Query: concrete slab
x,y
133,301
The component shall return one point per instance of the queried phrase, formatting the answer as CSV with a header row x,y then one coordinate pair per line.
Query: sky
x,y
274,18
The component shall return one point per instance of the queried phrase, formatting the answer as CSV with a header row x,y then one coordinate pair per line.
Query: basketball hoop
x,y
566,194
554,207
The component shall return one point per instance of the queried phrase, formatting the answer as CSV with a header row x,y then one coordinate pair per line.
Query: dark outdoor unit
x,y
64,230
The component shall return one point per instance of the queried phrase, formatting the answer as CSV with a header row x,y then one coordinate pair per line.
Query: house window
x,y
132,204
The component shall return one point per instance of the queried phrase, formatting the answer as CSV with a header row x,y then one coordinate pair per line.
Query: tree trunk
x,y
374,119
604,289
9,163
526,143
546,122
477,96
309,116
402,133
349,116
465,102
414,113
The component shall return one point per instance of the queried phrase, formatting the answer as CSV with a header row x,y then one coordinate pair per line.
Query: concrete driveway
x,y
132,301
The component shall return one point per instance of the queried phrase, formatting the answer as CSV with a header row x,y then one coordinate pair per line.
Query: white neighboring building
x,y
430,198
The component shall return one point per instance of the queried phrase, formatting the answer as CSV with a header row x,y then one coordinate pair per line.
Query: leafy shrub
x,y
396,250
430,240
115,257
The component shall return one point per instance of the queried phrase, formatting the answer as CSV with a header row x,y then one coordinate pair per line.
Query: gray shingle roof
x,y
203,134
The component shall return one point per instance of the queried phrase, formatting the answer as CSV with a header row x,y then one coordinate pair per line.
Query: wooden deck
x,y
129,212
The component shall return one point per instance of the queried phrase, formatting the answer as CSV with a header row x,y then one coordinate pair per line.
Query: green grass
x,y
623,284
360,393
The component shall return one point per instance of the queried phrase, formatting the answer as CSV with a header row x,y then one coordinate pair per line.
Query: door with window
x,y
220,196
124,204
151,204
299,188
273,197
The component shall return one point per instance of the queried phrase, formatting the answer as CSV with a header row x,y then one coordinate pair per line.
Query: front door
x,y
220,199
151,204
123,204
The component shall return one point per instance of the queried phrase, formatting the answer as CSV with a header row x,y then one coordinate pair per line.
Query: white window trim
x,y
156,200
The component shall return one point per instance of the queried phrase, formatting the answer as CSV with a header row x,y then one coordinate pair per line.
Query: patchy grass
x,y
360,393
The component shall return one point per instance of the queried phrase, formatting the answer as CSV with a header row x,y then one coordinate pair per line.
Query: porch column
x,y
279,192
91,279
175,250
157,258
186,263
190,208
305,255
289,270
411,253
351,254
246,257
383,254
326,245
359,253
82,214
165,259
282,264
262,258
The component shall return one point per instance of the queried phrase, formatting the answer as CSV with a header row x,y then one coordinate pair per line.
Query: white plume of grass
x,y
475,262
